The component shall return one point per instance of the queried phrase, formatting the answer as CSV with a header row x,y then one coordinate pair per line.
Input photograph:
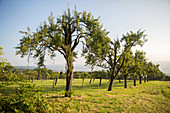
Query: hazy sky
x,y
117,16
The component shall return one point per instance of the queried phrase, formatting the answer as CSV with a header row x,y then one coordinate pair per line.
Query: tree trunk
x,y
53,84
147,79
111,80
32,80
90,80
125,77
82,82
134,81
93,79
38,75
69,80
119,80
111,84
29,78
144,79
56,81
69,76
140,80
100,83
113,71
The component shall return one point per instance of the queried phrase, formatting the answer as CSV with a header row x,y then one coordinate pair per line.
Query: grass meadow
x,y
151,97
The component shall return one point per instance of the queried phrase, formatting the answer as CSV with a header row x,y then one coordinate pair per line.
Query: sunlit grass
x,y
153,96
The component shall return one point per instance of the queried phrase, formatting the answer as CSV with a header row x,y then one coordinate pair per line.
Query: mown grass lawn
x,y
153,96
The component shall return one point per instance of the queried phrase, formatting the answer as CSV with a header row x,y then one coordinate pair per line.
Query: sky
x,y
117,16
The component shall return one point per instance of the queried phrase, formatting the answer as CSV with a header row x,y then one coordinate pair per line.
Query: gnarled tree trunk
x,y
69,76
69,80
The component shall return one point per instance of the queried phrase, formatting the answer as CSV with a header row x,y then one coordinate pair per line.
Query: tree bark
x,y
56,81
147,79
119,80
41,79
38,75
82,82
69,80
93,79
29,78
134,81
53,84
69,76
125,77
111,84
113,72
144,79
100,83
140,80
90,80
32,80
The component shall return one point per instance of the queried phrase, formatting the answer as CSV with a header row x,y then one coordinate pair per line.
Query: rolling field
x,y
153,96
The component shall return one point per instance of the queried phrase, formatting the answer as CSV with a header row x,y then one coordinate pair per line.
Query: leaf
x,y
28,29
22,32
84,14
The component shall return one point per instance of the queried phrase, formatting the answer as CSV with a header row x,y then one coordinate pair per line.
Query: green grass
x,y
153,96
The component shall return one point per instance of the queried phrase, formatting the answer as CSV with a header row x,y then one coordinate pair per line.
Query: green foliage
x,y
28,99
153,71
44,73
100,74
52,74
63,36
6,70
140,61
1,51
84,75
62,75
6,83
111,55
128,66
77,75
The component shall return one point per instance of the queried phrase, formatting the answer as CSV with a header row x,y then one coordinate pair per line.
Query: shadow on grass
x,y
61,87
54,97
85,87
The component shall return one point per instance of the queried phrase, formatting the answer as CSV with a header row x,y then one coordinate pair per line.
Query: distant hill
x,y
57,68
164,66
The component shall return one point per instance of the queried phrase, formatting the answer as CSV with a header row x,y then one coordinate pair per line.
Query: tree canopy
x,y
63,36
111,56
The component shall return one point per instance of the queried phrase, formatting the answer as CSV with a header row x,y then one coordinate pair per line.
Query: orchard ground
x,y
153,96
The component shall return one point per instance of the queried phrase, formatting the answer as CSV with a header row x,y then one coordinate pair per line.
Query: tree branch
x,y
120,67
62,53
